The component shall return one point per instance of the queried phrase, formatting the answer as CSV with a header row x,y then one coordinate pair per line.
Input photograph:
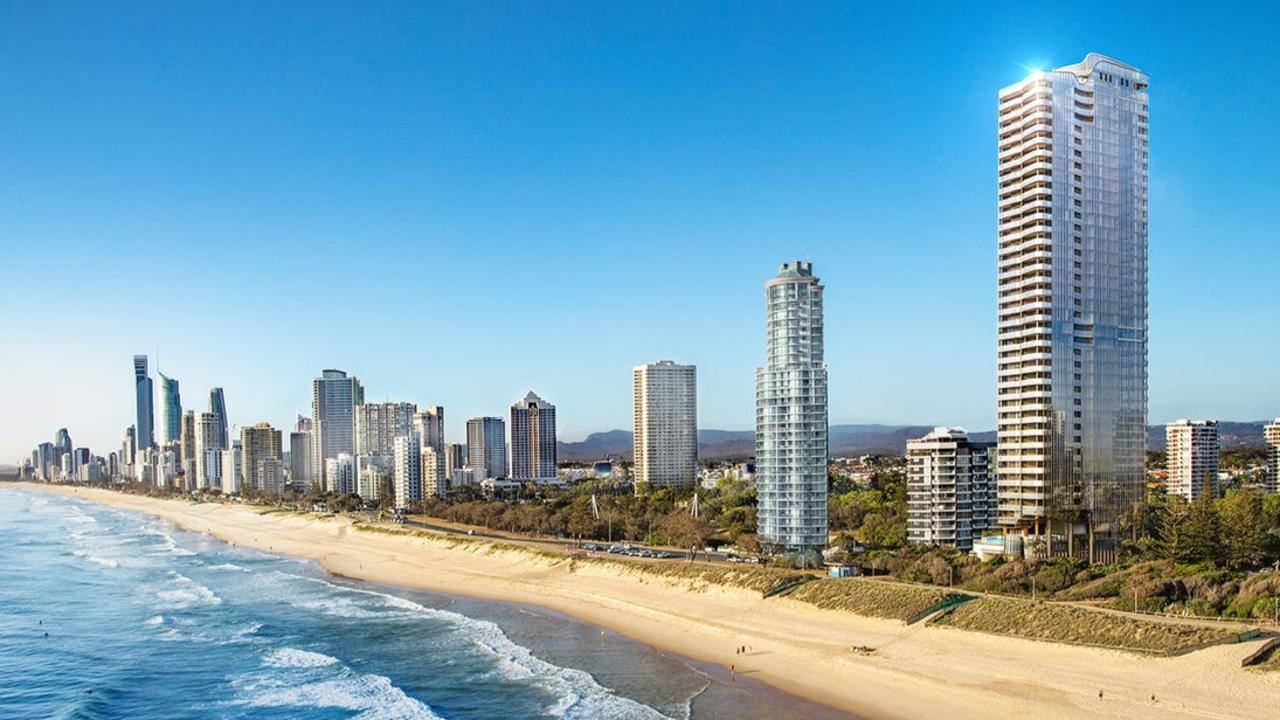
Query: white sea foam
x,y
154,620
188,593
577,694
297,678
295,658
97,559
228,566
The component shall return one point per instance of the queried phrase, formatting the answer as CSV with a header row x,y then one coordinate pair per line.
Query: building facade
x,y
208,449
1192,458
1072,305
334,396
218,406
435,482
429,425
791,414
1272,434
379,424
342,470
533,439
144,407
665,424
170,409
407,476
261,458
950,490
487,446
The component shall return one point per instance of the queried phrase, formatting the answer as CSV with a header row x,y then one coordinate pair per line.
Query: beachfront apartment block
x,y
533,439
1272,434
791,414
487,446
1072,305
1192,458
144,410
407,470
950,490
429,425
334,397
377,425
665,427
261,458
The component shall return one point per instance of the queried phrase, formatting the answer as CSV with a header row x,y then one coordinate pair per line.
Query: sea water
x,y
110,613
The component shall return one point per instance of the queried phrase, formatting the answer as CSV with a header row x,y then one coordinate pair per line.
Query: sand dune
x,y
917,671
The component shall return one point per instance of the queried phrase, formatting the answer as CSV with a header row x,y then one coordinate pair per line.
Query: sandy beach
x,y
917,671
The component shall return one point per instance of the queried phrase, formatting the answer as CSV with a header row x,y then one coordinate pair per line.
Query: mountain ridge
x,y
853,439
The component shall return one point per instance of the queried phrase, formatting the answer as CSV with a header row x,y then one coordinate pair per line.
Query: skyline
x,y
821,183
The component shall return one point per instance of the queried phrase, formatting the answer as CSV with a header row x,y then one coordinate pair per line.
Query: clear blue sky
x,y
459,202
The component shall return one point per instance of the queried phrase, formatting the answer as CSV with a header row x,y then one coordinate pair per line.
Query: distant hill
x,y
849,440
731,444
1230,434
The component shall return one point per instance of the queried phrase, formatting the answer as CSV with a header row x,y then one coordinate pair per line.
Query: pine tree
x,y
1244,532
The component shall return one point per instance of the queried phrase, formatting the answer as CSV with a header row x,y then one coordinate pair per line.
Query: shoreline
x,y
796,648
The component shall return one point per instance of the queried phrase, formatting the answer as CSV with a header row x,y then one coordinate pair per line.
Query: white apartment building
x,y
950,490
1072,320
372,471
407,477
342,472
208,444
434,481
1272,433
1192,458
665,427
791,414
377,425
230,473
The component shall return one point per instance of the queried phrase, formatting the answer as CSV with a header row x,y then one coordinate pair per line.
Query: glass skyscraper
x,y
334,396
218,406
1072,282
791,415
142,392
170,409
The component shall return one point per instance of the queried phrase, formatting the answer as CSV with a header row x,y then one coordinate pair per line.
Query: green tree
x,y
1201,533
1244,532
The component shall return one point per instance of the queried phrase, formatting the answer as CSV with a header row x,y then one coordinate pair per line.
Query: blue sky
x,y
458,202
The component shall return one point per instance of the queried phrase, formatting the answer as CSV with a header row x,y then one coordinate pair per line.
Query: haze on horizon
x,y
461,203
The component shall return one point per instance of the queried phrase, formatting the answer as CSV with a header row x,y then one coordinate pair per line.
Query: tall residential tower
x,y
665,439
170,410
1072,284
1192,458
533,439
333,400
142,392
791,414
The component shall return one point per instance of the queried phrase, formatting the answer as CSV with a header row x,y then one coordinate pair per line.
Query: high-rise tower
x,y
333,399
1072,321
791,414
170,409
142,393
665,441
218,406
487,446
533,439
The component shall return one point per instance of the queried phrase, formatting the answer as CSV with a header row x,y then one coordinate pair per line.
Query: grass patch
x,y
1071,624
874,598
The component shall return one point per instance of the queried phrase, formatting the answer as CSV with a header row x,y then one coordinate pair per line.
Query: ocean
x,y
110,613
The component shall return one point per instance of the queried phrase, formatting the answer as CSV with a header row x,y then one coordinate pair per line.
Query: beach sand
x,y
916,672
